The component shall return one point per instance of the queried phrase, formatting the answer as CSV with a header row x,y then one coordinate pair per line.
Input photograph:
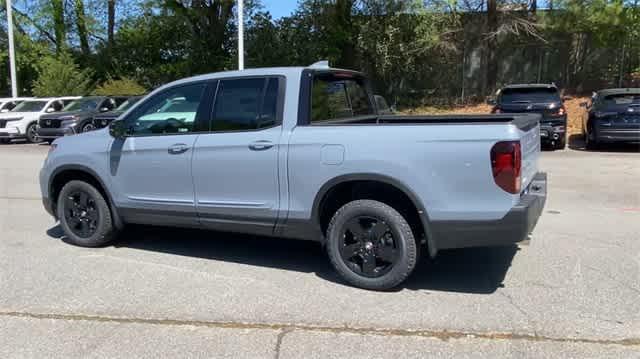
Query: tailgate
x,y
530,146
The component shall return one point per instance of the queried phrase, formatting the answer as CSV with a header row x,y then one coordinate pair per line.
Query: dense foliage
x,y
415,51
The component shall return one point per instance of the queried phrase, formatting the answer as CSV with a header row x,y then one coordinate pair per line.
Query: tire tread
x,y
385,282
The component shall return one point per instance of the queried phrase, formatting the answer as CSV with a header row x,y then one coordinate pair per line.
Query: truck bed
x,y
522,121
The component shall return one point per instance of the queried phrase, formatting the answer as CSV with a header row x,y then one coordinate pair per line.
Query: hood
x,y
109,115
17,114
56,115
81,144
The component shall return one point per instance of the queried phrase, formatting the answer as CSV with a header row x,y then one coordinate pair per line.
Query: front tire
x,y
84,215
371,245
32,135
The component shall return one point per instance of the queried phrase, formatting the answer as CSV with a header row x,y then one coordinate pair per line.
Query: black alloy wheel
x,y
371,245
368,247
84,215
81,213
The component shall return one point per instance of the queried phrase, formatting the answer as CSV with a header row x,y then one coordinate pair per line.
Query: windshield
x,y
30,106
83,104
621,99
529,95
127,104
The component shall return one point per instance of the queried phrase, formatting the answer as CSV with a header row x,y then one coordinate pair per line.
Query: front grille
x,y
50,123
3,123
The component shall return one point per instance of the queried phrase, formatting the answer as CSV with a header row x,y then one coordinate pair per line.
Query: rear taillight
x,y
506,163
561,111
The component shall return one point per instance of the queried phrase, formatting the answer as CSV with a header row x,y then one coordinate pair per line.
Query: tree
x,y
60,28
111,21
60,76
123,86
81,23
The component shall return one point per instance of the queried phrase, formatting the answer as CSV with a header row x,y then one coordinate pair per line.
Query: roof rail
x,y
324,64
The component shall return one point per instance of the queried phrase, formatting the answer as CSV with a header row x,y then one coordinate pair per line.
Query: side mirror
x,y
492,101
4,110
118,129
104,109
50,109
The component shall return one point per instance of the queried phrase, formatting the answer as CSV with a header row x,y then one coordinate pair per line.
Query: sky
x,y
280,8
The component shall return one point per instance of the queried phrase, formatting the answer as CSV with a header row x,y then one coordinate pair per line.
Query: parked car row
x,y
612,115
543,99
37,119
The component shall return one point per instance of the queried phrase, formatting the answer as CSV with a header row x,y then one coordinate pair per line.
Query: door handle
x,y
178,148
260,145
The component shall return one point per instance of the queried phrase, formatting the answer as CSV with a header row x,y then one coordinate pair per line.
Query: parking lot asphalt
x,y
573,291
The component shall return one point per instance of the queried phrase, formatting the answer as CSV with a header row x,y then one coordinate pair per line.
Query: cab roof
x,y
522,86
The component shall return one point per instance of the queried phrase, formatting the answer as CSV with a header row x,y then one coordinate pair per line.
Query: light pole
x,y
240,35
12,53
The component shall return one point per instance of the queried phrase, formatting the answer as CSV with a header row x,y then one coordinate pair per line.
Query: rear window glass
x,y
529,95
337,97
622,99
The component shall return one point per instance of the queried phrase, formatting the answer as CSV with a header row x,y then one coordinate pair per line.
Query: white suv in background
x,y
22,120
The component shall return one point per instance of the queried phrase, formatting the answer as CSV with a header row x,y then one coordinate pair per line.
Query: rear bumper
x,y
514,227
606,134
549,133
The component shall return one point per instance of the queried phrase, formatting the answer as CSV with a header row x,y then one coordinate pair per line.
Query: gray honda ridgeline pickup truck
x,y
302,153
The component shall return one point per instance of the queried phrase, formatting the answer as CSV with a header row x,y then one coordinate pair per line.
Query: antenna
x,y
324,64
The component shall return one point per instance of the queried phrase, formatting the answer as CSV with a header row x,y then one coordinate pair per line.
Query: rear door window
x,y
337,97
529,95
246,104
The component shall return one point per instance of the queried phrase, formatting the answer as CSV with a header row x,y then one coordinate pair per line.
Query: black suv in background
x,y
77,117
536,98
102,120
613,115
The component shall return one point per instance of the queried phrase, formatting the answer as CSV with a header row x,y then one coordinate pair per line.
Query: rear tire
x,y
371,245
590,140
84,215
561,144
